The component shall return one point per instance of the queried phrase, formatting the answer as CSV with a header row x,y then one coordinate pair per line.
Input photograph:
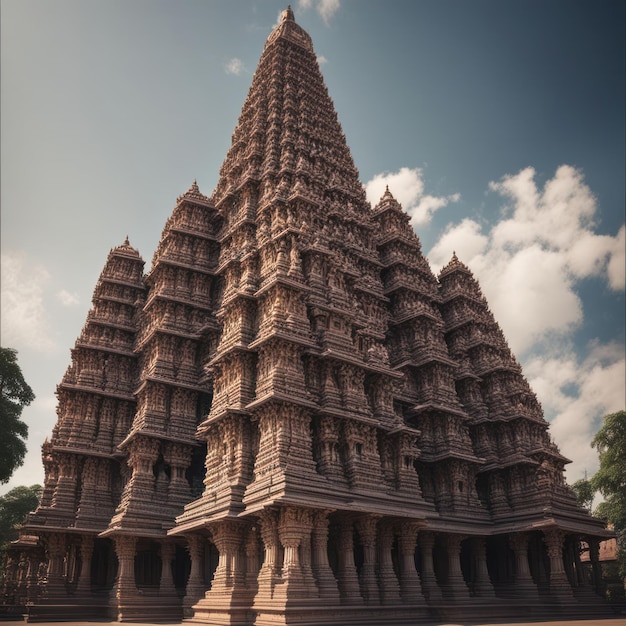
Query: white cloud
x,y
322,60
68,299
529,262
325,8
24,320
616,267
575,395
407,187
465,239
235,66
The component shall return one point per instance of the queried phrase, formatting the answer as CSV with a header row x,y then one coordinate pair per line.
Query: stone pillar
x,y
32,582
322,572
305,553
168,552
387,580
596,569
455,586
227,537
195,582
410,590
524,585
366,527
125,587
86,552
56,549
559,583
348,580
291,533
430,588
268,575
482,583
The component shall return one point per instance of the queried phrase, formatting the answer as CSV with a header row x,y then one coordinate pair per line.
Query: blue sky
x,y
498,125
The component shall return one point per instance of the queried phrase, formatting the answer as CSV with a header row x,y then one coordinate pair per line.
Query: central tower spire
x,y
288,141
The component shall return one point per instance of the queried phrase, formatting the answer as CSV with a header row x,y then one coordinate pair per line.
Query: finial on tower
x,y
287,15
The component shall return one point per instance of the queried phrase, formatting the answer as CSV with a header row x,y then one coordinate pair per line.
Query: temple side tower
x,y
95,410
291,420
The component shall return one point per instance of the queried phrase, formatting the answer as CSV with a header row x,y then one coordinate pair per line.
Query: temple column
x,y
482,583
167,586
455,587
348,580
366,527
32,586
559,583
410,590
290,533
56,548
227,537
524,584
195,582
430,588
125,587
387,579
268,575
86,552
305,554
596,568
322,572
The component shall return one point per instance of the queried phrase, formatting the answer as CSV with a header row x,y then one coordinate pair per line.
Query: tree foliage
x,y
15,394
610,479
14,506
584,493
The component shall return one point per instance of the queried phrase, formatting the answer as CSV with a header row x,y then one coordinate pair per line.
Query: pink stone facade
x,y
290,419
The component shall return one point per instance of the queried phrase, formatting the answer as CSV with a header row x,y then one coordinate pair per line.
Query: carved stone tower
x,y
290,419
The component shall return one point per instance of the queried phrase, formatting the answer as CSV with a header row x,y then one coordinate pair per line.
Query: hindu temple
x,y
289,419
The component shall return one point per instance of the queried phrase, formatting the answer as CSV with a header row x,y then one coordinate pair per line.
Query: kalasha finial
x,y
126,241
288,15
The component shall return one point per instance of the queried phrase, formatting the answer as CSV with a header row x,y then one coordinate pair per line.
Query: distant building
x,y
290,419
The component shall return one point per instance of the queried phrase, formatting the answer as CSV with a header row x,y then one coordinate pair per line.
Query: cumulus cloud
x,y
576,394
407,186
321,60
68,299
235,66
24,320
616,267
325,8
530,261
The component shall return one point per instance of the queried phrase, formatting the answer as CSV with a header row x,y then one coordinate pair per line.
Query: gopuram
x,y
291,420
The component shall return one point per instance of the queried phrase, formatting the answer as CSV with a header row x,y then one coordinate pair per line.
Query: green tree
x,y
14,506
584,493
610,479
15,394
